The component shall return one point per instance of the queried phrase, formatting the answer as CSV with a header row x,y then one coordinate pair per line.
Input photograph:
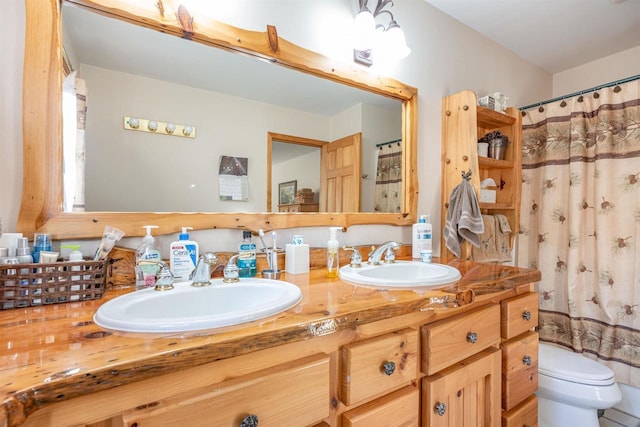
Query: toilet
x,y
572,387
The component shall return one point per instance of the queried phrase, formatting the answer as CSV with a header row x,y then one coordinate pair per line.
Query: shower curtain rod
x,y
582,92
388,142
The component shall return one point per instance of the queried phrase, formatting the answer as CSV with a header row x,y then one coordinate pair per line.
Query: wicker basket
x,y
27,285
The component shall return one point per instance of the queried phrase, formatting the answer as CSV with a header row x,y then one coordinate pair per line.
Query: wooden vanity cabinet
x,y
465,370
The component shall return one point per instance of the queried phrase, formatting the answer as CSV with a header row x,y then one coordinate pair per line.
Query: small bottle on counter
x,y
247,256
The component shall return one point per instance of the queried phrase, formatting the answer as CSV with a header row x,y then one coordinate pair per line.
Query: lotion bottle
x,y
147,251
333,246
421,236
74,256
183,256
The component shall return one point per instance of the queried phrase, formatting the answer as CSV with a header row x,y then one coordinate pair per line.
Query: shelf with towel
x,y
463,124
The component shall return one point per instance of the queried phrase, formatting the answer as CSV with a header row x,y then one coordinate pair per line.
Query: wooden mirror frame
x,y
41,205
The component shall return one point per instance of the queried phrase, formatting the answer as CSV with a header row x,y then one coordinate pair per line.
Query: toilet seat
x,y
566,365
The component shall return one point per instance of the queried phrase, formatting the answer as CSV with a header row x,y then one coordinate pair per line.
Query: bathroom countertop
x,y
53,353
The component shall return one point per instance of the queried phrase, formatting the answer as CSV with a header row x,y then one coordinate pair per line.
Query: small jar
x,y
425,255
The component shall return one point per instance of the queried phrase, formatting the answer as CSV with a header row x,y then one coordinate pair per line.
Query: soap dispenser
x,y
333,258
183,256
147,251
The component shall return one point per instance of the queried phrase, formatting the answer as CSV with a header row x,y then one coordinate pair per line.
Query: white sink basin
x,y
187,308
401,275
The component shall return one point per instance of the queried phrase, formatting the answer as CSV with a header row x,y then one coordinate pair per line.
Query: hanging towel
x,y
488,250
464,220
503,231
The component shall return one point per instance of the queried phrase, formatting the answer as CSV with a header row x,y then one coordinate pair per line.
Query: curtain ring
x,y
617,89
580,98
523,113
563,103
541,109
596,95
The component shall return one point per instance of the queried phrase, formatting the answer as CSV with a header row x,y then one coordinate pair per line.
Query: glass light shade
x,y
394,44
152,126
365,27
188,130
134,123
170,128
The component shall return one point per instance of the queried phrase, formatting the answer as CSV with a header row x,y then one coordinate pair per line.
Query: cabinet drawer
x,y
519,314
400,408
295,394
378,365
519,369
523,415
449,341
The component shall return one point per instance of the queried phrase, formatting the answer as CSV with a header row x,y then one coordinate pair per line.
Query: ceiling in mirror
x,y
114,53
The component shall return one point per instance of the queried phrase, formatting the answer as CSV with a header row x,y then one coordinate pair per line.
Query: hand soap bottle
x,y
247,256
74,256
147,251
421,236
333,258
183,256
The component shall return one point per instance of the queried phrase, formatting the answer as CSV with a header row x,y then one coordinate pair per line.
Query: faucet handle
x,y
390,254
231,271
164,281
370,255
356,258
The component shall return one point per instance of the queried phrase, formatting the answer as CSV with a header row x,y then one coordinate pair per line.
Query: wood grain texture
x,y
56,353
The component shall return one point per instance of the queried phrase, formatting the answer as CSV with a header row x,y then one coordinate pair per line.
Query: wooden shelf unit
x,y
463,123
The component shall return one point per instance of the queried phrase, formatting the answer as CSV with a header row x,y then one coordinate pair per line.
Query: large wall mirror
x,y
142,61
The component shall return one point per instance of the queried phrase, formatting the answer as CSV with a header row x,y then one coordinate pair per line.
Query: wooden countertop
x,y
54,353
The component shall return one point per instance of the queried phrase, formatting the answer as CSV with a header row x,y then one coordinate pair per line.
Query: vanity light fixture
x,y
158,127
389,42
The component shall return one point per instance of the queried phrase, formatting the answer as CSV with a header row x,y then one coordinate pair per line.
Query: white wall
x,y
446,57
595,73
185,168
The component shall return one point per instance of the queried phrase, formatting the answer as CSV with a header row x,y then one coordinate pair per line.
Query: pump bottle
x,y
421,236
183,256
333,259
147,251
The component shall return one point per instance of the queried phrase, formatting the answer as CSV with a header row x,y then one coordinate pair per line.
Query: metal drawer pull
x,y
526,315
389,367
250,421
472,337
526,360
440,408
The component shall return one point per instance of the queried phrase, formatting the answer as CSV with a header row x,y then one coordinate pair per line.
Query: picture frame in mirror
x,y
287,192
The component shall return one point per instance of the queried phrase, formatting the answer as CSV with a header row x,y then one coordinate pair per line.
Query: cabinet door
x,y
293,395
466,394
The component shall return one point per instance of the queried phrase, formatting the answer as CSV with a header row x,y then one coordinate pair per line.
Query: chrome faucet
x,y
387,249
201,275
164,277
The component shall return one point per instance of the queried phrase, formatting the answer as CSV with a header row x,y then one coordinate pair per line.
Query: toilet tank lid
x,y
566,365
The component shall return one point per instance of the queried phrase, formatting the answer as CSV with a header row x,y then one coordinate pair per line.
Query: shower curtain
x,y
389,178
580,223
